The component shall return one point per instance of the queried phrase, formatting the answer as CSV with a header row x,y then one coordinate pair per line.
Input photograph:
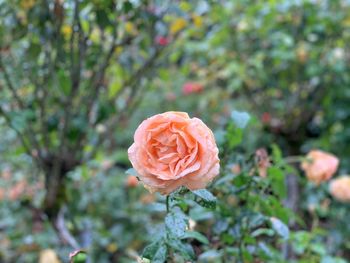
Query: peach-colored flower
x,y
320,166
340,188
172,150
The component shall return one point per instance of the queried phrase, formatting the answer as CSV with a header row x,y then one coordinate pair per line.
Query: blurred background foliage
x,y
77,77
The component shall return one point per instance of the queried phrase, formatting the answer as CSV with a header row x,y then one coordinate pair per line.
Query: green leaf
x,y
281,229
156,251
240,118
127,7
300,241
114,88
102,18
276,153
276,176
263,231
185,250
234,136
329,259
247,256
205,198
64,82
150,250
176,223
210,256
318,248
161,254
117,82
20,119
196,235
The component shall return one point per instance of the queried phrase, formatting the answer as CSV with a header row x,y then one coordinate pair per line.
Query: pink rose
x,y
340,188
320,166
172,150
191,87
162,41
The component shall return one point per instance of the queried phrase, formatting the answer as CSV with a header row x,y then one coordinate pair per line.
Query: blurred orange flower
x,y
132,181
17,190
320,166
340,188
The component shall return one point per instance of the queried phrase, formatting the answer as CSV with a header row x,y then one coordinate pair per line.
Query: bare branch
x,y
19,134
63,232
132,83
30,131
72,39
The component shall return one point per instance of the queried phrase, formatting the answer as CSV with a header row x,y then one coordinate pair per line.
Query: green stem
x,y
167,203
294,159
244,225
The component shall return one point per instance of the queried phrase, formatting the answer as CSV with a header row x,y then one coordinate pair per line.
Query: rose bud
x,y
132,181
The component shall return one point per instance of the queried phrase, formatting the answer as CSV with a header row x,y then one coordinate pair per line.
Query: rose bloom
x,y
172,150
191,87
320,166
340,188
162,41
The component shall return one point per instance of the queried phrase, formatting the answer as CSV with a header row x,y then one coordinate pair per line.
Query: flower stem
x,y
294,159
167,203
